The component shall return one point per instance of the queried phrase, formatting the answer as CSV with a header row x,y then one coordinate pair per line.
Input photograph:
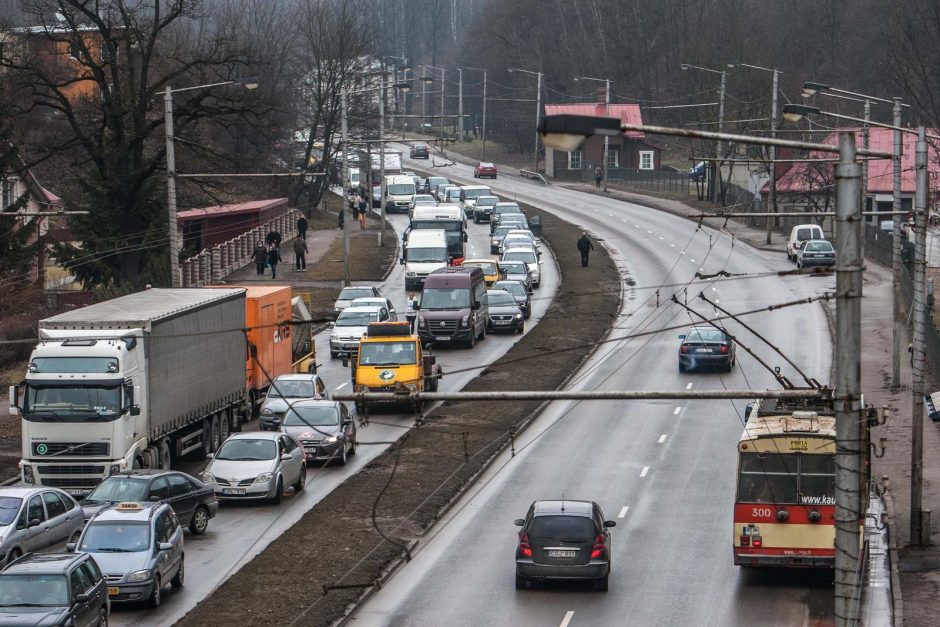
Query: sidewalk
x,y
318,242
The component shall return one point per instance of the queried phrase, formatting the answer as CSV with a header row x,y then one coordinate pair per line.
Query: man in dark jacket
x,y
274,257
302,227
259,255
300,254
585,247
273,238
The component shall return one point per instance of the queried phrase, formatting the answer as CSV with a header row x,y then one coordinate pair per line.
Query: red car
x,y
485,169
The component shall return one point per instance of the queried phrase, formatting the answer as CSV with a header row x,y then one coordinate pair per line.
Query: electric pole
x,y
772,195
484,115
920,524
171,187
343,179
538,113
460,105
606,137
382,187
718,144
896,248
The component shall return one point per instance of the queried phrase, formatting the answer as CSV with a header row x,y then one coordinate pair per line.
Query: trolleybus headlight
x,y
814,515
783,515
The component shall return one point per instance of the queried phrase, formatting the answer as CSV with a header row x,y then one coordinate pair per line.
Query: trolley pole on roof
x,y
849,441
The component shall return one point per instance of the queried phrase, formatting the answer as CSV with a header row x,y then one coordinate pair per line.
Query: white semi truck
x,y
130,383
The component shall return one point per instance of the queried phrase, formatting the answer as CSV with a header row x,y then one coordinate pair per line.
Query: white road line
x,y
661,237
692,260
650,232
342,385
662,438
610,215
676,413
637,225
597,211
567,619
673,245
689,386
623,512
623,219
645,470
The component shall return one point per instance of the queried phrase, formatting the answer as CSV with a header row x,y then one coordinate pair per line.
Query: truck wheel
x,y
206,440
163,451
225,423
214,441
472,341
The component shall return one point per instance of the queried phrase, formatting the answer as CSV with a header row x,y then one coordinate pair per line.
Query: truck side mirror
x,y
476,304
134,410
401,261
14,401
465,236
748,410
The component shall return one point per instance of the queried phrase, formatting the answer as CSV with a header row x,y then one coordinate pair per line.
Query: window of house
x,y
574,160
613,158
646,159
6,193
76,52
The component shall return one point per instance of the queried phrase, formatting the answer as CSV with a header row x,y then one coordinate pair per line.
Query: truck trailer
x,y
133,382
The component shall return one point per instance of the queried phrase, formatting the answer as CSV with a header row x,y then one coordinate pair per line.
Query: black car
x,y
324,428
420,151
193,502
563,540
519,292
504,314
53,589
706,347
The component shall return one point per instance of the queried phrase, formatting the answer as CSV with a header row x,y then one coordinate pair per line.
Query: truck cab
x,y
424,252
391,358
399,192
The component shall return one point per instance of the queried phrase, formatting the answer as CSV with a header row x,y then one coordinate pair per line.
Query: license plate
x,y
233,490
75,492
441,338
704,350
501,322
114,592
563,554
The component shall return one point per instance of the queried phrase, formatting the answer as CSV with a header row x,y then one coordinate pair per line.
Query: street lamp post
x,y
171,200
606,157
484,106
441,70
772,195
538,109
716,192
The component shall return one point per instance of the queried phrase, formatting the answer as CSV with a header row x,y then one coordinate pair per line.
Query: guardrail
x,y
529,174
212,264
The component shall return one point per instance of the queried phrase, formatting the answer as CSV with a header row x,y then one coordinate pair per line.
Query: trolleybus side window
x,y
817,479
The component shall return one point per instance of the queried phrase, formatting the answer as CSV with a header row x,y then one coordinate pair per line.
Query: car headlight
x,y
208,477
409,274
28,477
518,316
114,469
139,575
495,242
465,320
267,410
331,440
264,477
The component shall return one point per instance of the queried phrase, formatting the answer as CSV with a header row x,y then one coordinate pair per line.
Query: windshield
x,y
426,255
119,489
30,590
804,234
116,537
487,201
52,403
311,416
705,335
513,268
570,528
454,226
500,299
489,269
402,189
513,287
291,388
245,450
75,364
437,180
9,505
445,298
387,354
521,255
352,293
822,247
476,193
356,318
507,209
786,478
501,231
453,194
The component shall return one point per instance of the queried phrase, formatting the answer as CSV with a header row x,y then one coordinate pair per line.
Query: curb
x,y
897,603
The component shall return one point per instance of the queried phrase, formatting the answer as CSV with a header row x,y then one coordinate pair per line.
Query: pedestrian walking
x,y
341,219
302,226
300,254
260,256
363,208
274,257
598,176
585,247
411,310
273,238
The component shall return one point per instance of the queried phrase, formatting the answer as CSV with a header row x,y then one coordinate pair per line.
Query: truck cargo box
x,y
267,316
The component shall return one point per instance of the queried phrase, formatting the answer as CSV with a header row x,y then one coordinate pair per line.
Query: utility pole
x,y
538,113
896,249
344,178
606,137
442,108
920,523
718,144
171,187
381,161
849,441
866,143
772,195
484,114
460,105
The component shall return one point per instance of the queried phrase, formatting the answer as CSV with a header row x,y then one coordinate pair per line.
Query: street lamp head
x,y
795,113
567,132
248,82
684,66
730,66
811,89
403,86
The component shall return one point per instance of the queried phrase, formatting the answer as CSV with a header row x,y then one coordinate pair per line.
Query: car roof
x,y
519,250
122,512
493,290
43,563
364,309
817,241
298,376
563,508
507,203
364,300
706,328
144,473
466,261
482,197
257,435
315,402
474,187
20,492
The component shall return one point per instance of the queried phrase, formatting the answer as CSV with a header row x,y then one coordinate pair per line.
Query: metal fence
x,y
649,180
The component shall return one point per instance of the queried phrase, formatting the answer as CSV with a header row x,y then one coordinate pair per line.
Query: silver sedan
x,y
257,465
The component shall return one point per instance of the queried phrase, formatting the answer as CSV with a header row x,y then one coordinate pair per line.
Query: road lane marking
x,y
676,413
342,385
673,245
567,619
692,260
610,215
645,470
661,237
623,512
637,225
689,386
662,439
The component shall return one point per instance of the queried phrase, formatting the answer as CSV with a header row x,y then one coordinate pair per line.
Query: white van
x,y
353,183
399,191
469,195
423,253
799,234
450,210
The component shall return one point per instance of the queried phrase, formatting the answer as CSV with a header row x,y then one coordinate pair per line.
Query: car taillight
x,y
723,349
598,550
745,541
683,349
758,542
524,547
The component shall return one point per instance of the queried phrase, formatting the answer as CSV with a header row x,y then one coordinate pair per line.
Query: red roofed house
x,y
811,185
208,226
627,150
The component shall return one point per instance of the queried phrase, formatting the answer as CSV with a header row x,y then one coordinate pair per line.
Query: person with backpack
x,y
363,208
260,256
598,177
300,254
585,247
302,227
274,257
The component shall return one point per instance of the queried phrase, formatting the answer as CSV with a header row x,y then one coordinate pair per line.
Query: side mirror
x,y
331,324
154,498
519,522
134,410
34,522
682,337
285,457
610,523
347,422
417,305
748,410
70,547
210,455
82,598
345,362
476,304
164,546
465,236
401,261
392,311
14,401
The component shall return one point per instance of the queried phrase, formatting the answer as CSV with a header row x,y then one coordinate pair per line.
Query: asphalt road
x,y
241,531
664,471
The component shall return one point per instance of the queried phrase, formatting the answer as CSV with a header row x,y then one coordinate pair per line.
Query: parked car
x,y
483,207
37,519
706,347
505,314
287,389
420,151
193,501
563,540
351,293
697,172
351,324
815,252
257,466
54,589
485,169
324,429
530,257
139,548
520,292
515,271
379,301
799,234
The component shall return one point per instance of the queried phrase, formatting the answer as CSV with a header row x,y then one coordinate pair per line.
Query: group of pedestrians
x,y
267,253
